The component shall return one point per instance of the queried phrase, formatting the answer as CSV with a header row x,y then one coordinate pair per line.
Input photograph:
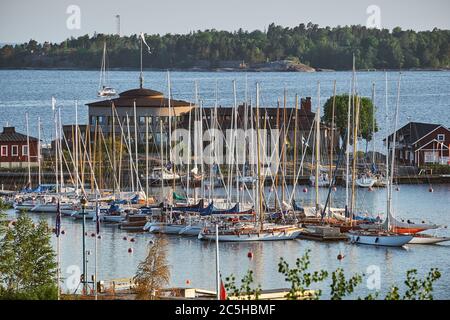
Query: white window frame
x,y
440,135
23,150
4,147
16,154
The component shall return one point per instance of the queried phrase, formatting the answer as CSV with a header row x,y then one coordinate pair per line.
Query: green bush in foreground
x,y
300,280
27,261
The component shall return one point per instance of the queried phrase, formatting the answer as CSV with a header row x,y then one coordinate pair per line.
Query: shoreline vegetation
x,y
304,48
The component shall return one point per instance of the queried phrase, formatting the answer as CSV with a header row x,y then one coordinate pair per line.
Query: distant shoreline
x,y
194,69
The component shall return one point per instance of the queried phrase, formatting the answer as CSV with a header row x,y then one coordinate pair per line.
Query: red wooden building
x,y
420,144
14,149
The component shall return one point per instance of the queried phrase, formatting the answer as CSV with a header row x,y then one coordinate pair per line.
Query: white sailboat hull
x,y
167,228
380,240
264,236
365,182
425,239
191,231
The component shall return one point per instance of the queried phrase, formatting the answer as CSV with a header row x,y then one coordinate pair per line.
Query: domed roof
x,y
141,92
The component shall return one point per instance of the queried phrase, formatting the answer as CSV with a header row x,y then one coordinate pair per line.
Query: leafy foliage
x,y
300,279
245,291
340,287
330,48
366,111
27,261
154,272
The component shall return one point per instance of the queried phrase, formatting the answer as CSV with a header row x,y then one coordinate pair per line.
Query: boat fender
x,y
376,240
357,239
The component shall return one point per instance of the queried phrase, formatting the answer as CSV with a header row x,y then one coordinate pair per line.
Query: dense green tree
x,y
366,112
27,261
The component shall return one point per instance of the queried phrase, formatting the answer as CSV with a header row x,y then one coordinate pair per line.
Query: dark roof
x,y
143,97
141,92
413,131
9,134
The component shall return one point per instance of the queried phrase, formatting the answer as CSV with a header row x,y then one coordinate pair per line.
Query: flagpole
x,y
58,258
217,263
95,247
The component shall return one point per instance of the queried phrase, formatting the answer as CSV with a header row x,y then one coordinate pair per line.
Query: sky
x,y
46,20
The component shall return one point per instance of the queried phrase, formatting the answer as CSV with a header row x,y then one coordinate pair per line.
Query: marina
x,y
296,162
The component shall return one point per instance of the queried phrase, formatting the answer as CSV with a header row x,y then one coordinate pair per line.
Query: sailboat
x,y
386,236
104,90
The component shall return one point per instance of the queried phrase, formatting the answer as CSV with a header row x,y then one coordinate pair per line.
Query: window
x,y
25,150
4,151
141,120
441,137
431,157
15,150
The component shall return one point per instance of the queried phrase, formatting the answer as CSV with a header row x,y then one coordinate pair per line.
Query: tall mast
x,y
39,151
136,124
347,149
146,160
259,206
388,187
283,150
391,183
332,136
373,122
317,149
131,153
60,149
76,147
355,154
141,75
56,142
296,123
28,151
113,147
235,140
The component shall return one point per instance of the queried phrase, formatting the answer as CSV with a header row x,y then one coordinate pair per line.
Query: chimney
x,y
306,105
9,130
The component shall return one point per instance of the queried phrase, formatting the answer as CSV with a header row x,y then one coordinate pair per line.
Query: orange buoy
x,y
249,255
130,250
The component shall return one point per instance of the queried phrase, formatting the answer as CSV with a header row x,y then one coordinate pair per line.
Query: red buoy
x,y
188,282
130,250
63,232
397,189
99,237
132,240
340,256
249,255
305,190
124,238
334,189
85,233
430,190
92,234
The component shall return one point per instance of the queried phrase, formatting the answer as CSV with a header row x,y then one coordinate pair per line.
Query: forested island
x,y
306,47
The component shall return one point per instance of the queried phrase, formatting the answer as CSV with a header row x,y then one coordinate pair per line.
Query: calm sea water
x,y
425,96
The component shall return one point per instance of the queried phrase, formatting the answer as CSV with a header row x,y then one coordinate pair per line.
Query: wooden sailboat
x,y
386,236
